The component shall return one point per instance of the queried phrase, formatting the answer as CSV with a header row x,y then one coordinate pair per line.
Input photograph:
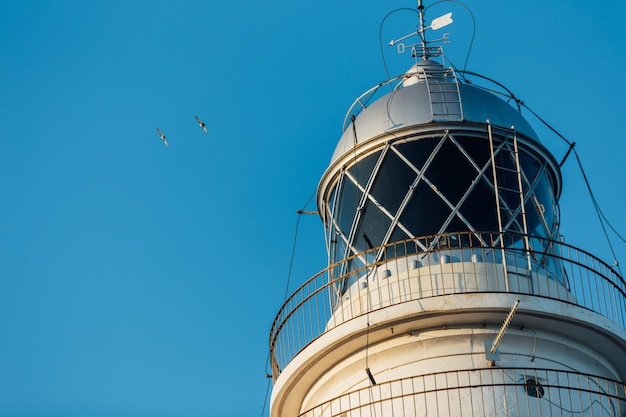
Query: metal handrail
x,y
364,99
560,272
480,392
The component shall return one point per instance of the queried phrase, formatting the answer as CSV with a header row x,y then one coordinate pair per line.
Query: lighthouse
x,y
449,290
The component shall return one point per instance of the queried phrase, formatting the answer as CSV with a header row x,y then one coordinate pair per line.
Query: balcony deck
x,y
453,264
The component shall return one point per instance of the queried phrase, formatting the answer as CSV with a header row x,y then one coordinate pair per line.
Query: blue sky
x,y
139,280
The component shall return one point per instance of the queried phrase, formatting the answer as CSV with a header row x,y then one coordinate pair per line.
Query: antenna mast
x,y
420,9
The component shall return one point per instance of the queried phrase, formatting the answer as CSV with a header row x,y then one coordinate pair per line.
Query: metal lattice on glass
x,y
440,183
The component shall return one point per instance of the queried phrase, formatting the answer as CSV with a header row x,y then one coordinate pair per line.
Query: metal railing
x,y
454,263
511,392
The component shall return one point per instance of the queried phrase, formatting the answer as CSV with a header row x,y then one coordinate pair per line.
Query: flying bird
x,y
202,125
162,137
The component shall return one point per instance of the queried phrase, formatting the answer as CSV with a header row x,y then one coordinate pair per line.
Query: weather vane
x,y
423,48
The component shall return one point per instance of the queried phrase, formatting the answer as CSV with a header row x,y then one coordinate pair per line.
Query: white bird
x,y
162,137
201,123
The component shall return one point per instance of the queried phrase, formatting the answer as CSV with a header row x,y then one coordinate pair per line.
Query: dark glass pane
x,y
451,172
418,151
456,225
336,248
348,203
374,223
479,209
341,249
425,213
362,170
545,196
477,149
333,249
392,183
398,235
534,219
530,166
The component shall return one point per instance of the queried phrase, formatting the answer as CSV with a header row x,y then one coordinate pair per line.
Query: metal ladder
x,y
501,205
444,95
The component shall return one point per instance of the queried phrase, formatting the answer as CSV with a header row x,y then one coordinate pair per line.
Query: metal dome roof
x,y
414,104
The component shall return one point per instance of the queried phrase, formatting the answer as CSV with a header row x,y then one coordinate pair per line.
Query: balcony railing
x,y
453,264
510,392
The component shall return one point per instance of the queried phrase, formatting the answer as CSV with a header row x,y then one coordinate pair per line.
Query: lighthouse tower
x,y
449,291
